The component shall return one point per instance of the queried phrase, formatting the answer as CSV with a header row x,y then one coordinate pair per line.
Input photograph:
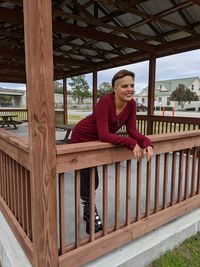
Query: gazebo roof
x,y
96,35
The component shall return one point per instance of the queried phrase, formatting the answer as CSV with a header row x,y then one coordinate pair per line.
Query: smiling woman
x,y
110,114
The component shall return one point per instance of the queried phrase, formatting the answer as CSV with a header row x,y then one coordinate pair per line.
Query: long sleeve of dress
x,y
102,119
142,140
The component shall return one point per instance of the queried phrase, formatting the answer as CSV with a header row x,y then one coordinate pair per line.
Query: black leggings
x,y
85,182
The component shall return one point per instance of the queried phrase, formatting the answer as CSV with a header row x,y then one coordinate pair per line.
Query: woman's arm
x,y
142,140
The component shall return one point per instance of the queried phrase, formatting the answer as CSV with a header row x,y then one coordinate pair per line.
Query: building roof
x,y
168,86
5,91
100,34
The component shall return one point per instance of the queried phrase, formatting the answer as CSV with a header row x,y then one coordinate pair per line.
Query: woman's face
x,y
124,89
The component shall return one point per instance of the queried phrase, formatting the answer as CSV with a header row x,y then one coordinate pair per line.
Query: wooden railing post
x,y
41,117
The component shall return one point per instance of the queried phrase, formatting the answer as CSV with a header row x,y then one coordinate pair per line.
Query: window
x,y
143,100
192,87
160,99
168,101
160,86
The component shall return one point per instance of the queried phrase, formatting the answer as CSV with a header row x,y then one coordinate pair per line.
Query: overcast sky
x,y
181,65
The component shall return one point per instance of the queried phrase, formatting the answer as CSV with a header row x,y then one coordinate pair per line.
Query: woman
x,y
111,112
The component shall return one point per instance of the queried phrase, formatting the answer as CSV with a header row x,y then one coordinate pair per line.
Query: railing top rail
x,y
17,141
189,120
94,145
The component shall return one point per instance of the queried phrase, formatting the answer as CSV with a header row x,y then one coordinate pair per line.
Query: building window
x,y
168,101
192,88
143,100
160,99
160,86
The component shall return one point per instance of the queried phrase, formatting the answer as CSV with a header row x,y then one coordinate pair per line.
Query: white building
x,y
163,90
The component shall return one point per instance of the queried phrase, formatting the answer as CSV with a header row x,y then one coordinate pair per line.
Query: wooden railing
x,y
166,124
22,114
134,197
15,188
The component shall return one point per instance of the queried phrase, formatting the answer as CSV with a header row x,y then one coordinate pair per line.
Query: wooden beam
x,y
151,92
94,89
41,116
84,32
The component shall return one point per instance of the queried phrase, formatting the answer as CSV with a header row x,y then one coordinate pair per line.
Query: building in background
x,y
12,98
163,90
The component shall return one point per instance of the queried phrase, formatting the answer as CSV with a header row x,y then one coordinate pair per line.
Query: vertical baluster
x,y
173,177
184,125
187,171
4,176
198,175
6,180
175,125
138,204
13,186
105,199
22,195
117,195
148,188
170,129
28,203
9,182
165,187
77,209
194,160
128,191
180,176
18,193
92,203
23,198
157,183
159,126
163,126
61,186
1,173
180,125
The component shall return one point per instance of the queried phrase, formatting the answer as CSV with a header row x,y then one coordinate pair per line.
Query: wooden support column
x,y
151,93
94,90
65,118
41,117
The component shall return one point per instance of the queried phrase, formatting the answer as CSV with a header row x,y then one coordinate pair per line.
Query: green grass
x,y
185,255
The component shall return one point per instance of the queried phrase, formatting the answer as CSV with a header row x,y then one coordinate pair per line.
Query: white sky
x,y
181,65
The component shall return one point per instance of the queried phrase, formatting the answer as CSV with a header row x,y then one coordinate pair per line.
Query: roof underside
x,y
101,34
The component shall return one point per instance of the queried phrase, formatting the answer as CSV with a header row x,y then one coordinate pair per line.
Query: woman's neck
x,y
120,105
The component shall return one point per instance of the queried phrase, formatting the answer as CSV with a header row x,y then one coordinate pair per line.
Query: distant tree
x,y
6,100
79,88
183,94
104,89
58,88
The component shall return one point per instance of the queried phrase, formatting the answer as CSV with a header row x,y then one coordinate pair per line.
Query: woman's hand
x,y
148,152
138,153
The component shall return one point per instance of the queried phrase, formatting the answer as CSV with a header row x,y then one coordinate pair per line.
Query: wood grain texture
x,y
39,76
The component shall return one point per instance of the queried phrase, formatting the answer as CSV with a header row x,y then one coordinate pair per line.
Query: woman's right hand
x,y
138,153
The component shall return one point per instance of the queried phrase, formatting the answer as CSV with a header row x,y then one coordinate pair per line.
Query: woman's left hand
x,y
148,152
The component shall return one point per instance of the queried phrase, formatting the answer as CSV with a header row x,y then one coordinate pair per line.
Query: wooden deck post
x,y
94,96
151,93
41,117
65,118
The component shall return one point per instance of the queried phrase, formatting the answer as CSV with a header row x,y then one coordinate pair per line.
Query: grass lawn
x,y
185,255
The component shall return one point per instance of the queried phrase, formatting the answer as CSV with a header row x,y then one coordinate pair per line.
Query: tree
x,y
104,89
183,94
58,88
79,88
